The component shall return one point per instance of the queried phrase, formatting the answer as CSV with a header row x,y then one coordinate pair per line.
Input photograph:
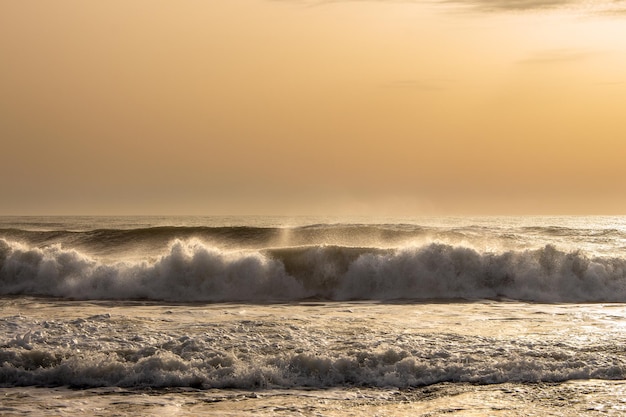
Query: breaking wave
x,y
193,363
191,270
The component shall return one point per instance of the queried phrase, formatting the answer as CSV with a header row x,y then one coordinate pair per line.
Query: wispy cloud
x,y
613,7
312,3
556,56
513,5
416,85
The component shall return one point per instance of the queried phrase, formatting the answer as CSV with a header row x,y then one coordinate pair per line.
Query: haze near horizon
x,y
312,107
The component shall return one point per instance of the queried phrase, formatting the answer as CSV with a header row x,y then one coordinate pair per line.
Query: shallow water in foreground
x,y
576,398
311,358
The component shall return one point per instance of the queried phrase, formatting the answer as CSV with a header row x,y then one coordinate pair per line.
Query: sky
x,y
367,107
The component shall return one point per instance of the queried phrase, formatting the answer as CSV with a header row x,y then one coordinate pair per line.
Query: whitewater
x,y
312,316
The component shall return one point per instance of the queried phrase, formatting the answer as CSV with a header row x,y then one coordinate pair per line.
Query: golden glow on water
x,y
487,334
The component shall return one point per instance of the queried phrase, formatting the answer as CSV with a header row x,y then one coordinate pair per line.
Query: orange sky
x,y
312,107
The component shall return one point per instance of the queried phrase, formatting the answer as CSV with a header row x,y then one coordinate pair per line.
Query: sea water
x,y
309,316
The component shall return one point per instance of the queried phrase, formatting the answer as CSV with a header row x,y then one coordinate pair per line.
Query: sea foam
x,y
191,270
187,362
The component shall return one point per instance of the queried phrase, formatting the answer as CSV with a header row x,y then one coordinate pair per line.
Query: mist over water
x,y
530,259
403,314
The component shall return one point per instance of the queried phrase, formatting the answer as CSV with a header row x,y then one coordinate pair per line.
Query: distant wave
x,y
112,241
244,235
191,270
142,236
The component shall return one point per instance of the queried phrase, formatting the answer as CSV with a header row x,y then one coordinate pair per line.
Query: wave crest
x,y
189,271
193,271
443,271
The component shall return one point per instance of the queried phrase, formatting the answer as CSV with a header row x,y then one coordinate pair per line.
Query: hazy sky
x,y
296,106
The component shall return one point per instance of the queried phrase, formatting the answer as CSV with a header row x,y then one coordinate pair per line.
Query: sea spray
x,y
191,270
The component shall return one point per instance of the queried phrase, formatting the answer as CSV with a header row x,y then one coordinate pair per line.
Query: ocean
x,y
468,316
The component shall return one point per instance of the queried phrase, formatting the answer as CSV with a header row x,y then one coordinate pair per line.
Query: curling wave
x,y
191,270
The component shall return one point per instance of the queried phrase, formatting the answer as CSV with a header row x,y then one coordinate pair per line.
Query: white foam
x,y
189,271
208,369
303,345
193,271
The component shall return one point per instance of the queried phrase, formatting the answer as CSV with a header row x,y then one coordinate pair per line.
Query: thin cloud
x,y
615,8
415,85
609,7
556,56
610,83
514,5
583,7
